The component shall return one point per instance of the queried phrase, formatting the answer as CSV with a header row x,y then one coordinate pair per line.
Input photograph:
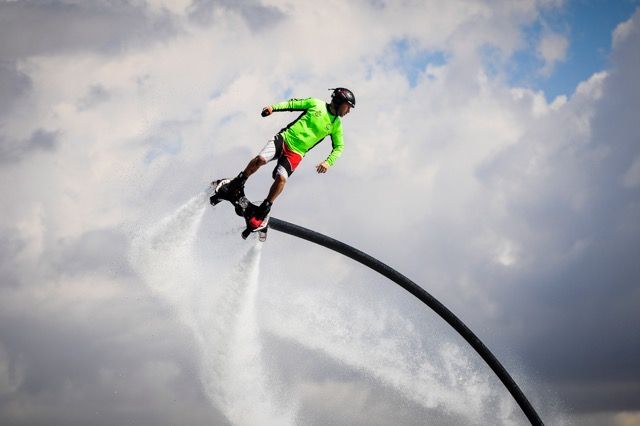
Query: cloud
x,y
59,371
516,213
624,30
40,140
566,185
258,16
67,26
552,48
13,84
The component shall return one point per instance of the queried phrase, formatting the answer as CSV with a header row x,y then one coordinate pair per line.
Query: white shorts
x,y
288,160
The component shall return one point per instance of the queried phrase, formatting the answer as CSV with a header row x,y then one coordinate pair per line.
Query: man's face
x,y
343,109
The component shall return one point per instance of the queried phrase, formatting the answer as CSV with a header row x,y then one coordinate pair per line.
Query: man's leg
x,y
263,210
254,165
276,188
237,183
286,165
282,171
270,151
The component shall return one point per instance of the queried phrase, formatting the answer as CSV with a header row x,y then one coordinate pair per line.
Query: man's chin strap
x,y
333,109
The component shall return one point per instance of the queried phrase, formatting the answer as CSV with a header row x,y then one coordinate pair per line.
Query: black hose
x,y
420,293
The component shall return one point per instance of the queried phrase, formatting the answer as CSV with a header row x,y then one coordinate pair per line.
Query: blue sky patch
x,y
412,61
588,25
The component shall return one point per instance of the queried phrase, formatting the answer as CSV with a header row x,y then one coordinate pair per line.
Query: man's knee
x,y
280,179
259,160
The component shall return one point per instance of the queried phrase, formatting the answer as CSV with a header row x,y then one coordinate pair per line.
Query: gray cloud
x,y
11,244
97,95
32,27
101,250
13,84
123,366
443,178
257,15
29,28
101,351
576,301
40,141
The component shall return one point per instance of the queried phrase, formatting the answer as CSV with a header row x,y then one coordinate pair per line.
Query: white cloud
x,y
624,30
552,48
179,7
467,185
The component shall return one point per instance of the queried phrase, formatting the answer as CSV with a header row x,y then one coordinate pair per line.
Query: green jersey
x,y
311,127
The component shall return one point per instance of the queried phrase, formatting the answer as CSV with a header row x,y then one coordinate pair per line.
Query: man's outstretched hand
x,y
322,167
266,111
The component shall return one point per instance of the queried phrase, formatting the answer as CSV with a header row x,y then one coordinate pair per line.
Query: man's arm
x,y
338,146
290,105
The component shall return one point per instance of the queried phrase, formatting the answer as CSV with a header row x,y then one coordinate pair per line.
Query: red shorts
x,y
277,149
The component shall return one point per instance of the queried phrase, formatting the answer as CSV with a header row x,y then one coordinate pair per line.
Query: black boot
x,y
257,218
264,209
238,181
235,188
228,189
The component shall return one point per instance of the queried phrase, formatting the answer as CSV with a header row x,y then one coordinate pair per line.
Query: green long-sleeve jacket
x,y
311,127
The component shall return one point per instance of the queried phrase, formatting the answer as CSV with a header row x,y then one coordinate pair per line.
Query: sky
x,y
492,157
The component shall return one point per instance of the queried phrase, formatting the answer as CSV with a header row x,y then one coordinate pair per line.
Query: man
x,y
288,147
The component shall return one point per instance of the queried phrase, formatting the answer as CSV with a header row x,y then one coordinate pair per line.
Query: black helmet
x,y
340,94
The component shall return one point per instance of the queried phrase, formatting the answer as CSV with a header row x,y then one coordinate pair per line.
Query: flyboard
x,y
243,207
